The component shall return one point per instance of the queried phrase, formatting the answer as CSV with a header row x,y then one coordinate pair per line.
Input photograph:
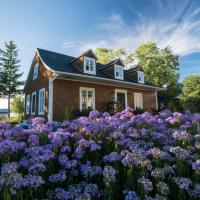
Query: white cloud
x,y
174,24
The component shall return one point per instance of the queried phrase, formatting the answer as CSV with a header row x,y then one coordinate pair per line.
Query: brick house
x,y
56,82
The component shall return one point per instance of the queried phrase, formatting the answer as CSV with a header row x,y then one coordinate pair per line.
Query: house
x,y
56,82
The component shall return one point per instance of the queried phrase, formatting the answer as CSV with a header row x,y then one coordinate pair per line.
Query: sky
x,y
73,26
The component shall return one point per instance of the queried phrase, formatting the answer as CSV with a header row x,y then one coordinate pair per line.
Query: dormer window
x,y
35,71
140,77
89,65
119,72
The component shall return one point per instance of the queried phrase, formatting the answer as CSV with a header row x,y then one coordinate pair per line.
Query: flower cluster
x,y
124,156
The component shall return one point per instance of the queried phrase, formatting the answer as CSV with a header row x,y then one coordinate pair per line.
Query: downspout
x,y
50,106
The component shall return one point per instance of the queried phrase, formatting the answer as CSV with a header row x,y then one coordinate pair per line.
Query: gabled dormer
x,y
135,74
114,69
86,62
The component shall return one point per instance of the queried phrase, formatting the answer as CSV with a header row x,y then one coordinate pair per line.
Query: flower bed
x,y
124,156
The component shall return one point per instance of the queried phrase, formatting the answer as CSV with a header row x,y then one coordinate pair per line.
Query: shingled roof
x,y
62,64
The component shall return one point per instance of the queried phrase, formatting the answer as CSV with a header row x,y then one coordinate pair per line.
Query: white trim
x,y
122,91
34,93
107,79
115,70
94,65
80,96
27,110
136,96
42,90
156,100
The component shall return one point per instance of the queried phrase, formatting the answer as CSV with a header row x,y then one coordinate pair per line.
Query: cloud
x,y
174,24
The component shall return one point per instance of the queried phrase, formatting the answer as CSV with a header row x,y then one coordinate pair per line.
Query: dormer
x,y
136,74
86,62
114,69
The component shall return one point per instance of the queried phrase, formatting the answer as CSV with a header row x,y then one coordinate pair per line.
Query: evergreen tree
x,y
9,72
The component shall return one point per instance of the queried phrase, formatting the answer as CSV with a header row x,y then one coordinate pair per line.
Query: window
x,y
89,65
87,98
35,71
119,72
33,103
138,100
41,105
140,77
27,104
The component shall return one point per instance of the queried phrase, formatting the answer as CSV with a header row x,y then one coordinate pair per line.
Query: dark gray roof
x,y
63,63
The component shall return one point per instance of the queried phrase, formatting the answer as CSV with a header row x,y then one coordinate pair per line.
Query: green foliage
x,y
17,105
9,72
160,65
191,93
106,55
15,120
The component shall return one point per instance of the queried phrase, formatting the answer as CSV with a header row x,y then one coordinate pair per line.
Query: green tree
x,y
17,105
191,93
160,65
9,74
106,55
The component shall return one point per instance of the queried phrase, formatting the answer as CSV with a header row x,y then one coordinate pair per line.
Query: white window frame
x,y
121,77
140,76
28,104
87,89
94,65
35,71
138,100
34,93
42,90
121,91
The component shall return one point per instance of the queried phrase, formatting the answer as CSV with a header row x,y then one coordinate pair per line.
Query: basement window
x,y
89,65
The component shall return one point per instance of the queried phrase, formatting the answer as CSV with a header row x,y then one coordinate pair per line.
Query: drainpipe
x,y
50,106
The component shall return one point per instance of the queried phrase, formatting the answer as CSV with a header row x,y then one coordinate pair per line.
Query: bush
x,y
125,156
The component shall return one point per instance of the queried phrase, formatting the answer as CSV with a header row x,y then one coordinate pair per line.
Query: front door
x,y
121,100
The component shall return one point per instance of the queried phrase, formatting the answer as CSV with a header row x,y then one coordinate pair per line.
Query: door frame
x,y
121,91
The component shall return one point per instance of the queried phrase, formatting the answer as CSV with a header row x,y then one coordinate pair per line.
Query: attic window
x,y
140,77
89,65
119,72
35,71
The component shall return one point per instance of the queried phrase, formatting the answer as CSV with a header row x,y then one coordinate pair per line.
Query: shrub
x,y
124,156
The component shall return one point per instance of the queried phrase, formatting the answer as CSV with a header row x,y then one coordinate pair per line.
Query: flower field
x,y
118,157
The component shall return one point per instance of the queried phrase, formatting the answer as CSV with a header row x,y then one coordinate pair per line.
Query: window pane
x,y
90,96
84,99
33,104
91,65
87,64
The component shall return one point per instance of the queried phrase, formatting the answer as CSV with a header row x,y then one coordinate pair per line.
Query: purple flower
x,y
109,175
113,157
94,114
33,140
183,183
196,165
131,195
146,184
58,177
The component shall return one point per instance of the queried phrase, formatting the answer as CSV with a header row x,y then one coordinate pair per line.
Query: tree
x,y
17,105
106,55
191,93
9,74
161,69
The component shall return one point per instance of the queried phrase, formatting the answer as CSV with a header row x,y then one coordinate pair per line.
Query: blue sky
x,y
73,26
